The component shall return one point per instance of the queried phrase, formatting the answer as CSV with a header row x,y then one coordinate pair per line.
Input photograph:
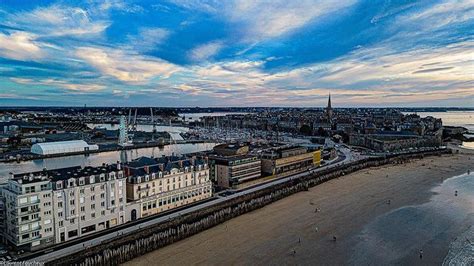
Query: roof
x,y
75,143
61,146
66,173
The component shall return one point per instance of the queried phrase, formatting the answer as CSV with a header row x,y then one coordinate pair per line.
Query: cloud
x,y
8,96
76,87
260,20
127,67
148,39
20,45
205,51
57,20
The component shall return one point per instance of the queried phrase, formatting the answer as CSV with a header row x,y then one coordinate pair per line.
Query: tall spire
x,y
329,108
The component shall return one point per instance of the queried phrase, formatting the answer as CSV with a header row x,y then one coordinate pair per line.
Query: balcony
x,y
29,221
17,230
20,205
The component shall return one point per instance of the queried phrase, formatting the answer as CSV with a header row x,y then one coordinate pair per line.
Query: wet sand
x,y
353,208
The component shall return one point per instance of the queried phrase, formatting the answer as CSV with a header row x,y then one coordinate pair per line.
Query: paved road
x,y
345,156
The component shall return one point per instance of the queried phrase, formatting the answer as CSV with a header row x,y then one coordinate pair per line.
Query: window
x,y
71,202
92,188
47,221
93,215
34,199
93,197
102,204
81,200
93,206
83,209
29,189
73,212
35,234
81,191
83,218
61,224
72,221
25,236
102,213
102,195
60,214
60,204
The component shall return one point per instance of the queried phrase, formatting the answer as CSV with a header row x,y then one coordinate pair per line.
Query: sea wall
x,y
126,247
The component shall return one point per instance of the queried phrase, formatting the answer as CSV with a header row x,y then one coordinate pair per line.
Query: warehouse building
x,y
62,147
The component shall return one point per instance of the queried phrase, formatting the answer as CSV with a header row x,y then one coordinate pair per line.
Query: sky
x,y
177,53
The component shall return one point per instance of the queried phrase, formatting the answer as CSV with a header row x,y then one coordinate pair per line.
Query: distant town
x,y
253,149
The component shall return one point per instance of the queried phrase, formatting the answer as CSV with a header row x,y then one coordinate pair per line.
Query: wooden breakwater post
x,y
132,245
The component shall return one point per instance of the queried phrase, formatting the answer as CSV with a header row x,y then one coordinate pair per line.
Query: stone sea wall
x,y
127,247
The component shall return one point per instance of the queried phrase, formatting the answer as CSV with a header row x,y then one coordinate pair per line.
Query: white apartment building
x,y
157,185
55,206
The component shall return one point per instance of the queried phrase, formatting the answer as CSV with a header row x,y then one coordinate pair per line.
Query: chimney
x,y
119,166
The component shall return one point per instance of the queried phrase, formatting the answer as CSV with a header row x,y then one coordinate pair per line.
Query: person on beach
x,y
421,254
334,238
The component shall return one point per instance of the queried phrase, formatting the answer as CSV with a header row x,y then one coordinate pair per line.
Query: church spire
x,y
329,108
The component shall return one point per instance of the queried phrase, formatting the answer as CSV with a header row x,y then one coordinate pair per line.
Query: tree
x,y
305,130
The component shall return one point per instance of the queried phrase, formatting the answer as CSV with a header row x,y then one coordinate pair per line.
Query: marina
x,y
98,159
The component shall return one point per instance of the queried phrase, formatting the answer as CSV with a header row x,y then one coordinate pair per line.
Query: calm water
x,y
440,226
173,131
458,119
97,159
463,119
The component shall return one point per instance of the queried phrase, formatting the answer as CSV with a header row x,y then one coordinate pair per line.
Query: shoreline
x,y
270,234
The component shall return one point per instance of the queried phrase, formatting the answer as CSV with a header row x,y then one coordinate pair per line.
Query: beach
x,y
380,215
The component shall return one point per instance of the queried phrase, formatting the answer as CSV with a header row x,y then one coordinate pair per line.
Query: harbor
x,y
97,159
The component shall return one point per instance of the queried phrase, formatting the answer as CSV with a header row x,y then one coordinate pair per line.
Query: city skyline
x,y
237,53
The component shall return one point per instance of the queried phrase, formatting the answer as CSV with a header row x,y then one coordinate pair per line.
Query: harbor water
x,y
97,159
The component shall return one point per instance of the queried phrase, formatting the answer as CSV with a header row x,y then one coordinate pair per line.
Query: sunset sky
x,y
237,53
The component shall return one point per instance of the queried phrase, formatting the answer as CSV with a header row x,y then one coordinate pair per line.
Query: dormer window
x,y
59,185
81,181
91,179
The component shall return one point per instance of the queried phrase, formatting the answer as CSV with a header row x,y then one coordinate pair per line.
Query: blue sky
x,y
237,53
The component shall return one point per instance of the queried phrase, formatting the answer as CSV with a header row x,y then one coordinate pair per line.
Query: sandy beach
x,y
378,215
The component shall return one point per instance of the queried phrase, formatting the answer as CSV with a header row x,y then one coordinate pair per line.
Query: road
x,y
345,156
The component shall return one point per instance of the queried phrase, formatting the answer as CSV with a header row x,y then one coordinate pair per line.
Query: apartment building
x,y
287,160
155,185
50,207
229,171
